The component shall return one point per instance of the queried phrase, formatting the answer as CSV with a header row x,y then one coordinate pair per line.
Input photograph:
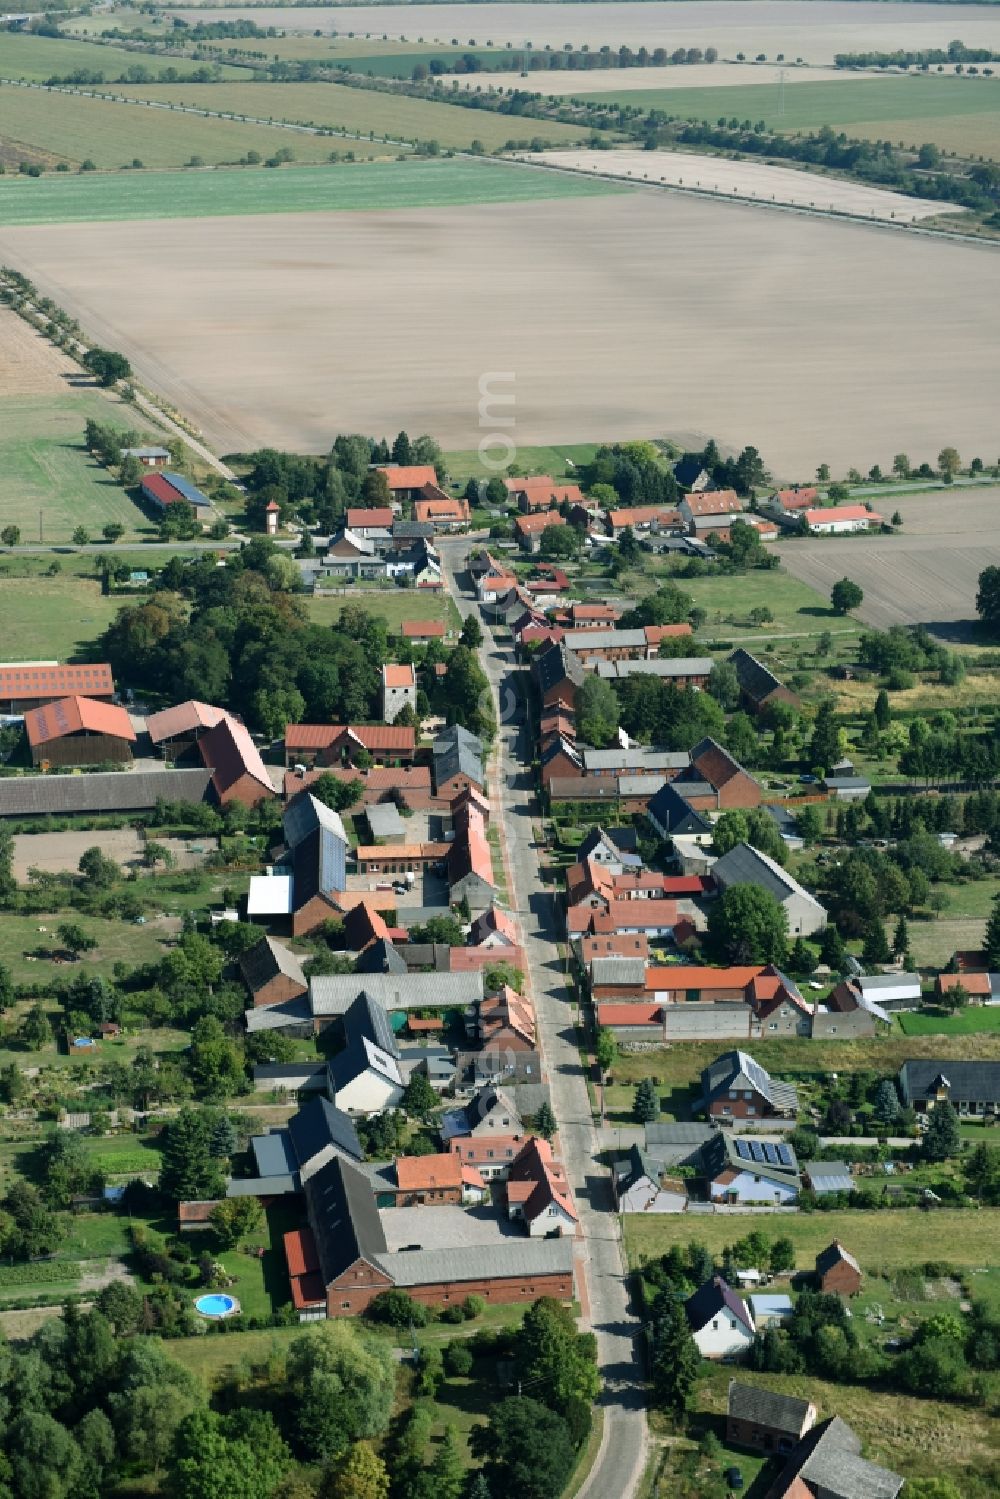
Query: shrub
x,y
458,1359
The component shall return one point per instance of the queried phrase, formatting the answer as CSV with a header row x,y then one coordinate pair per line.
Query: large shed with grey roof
x,y
766,1420
746,865
332,994
106,791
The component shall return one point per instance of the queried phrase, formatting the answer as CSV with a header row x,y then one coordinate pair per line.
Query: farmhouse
x,y
336,744
721,1323
827,1464
722,782
238,772
837,1271
365,1078
765,1421
493,928
422,630
839,520
716,505
32,684
371,524
793,499
530,528
313,871
162,491
540,492
538,1193
443,514
470,864
746,865
734,1086
458,761
79,731
558,673
399,691
643,519
673,816
973,1088
491,1111
490,1155
176,730
272,973
405,481
638,1187
686,671
428,1181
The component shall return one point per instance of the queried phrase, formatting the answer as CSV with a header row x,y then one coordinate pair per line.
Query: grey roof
x,y
276,1071
556,665
266,960
756,680
506,1258
708,1301
640,756
528,1097
384,820
295,1012
317,1125
966,1080
457,752
359,1056
367,1018
478,1067
560,746
830,1176
834,1254
380,956
637,1166
623,841
340,1202
675,666
263,1186
783,818
274,1154
668,1133
847,783
602,640
746,865
416,955
333,994
784,1413
674,814
829,1461
304,814
727,1151
107,791
737,1069
872,985
618,971
460,1122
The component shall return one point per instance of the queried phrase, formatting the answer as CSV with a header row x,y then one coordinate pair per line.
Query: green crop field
x,y
968,1022
22,936
885,1240
38,58
338,107
559,461
52,618
45,469
958,114
348,187
112,135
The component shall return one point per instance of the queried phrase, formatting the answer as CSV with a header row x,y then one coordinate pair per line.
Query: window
x,y
751,1109
726,1109
748,1094
773,1026
733,1093
345,1306
715,1325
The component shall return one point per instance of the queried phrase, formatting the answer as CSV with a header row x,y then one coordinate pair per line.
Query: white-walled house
x,y
721,1323
840,520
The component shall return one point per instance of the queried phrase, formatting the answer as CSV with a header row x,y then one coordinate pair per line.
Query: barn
x,y
79,731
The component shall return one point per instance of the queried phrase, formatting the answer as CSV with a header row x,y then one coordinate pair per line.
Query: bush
x,y
397,1309
452,1314
473,1306
458,1359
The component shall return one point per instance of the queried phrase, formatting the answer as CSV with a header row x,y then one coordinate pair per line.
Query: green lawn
x,y
958,114
21,936
796,607
112,135
389,115
47,477
347,187
393,606
52,618
560,461
968,1022
880,1240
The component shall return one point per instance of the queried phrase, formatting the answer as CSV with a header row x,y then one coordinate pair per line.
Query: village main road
x,y
618,1468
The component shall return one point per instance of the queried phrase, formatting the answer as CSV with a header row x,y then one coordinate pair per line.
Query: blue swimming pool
x,y
216,1305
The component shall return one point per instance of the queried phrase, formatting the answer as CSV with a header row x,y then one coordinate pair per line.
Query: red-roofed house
x,y
405,481
372,522
423,629
540,492
444,514
642,518
238,772
426,1180
840,520
175,730
538,1193
732,785
613,945
794,499
978,986
494,928
490,1155
470,864
79,731
337,744
34,683
682,983
719,503
507,1021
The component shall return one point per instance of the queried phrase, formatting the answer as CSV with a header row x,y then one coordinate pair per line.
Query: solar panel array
x,y
764,1152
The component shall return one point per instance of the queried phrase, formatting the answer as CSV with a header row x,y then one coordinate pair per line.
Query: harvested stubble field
x,y
112,135
926,574
279,330
335,106
415,183
813,29
694,78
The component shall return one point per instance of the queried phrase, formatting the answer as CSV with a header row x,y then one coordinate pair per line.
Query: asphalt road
x,y
621,1460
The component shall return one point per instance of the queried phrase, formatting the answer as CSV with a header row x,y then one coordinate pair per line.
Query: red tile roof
x,y
534,525
428,1173
418,1024
423,629
379,736
446,509
408,476
196,1212
977,984
593,612
643,515
541,489
34,680
841,513
614,945
300,1251
231,753
691,976
77,715
398,676
379,518
534,1166
656,633
160,489
476,1150
713,502
625,1014
183,719
796,499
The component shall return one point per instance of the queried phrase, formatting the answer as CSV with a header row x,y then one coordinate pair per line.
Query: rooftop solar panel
x,y
756,1150
743,1150
784,1155
770,1154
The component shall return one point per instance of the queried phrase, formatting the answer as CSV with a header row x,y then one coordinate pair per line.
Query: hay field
x,y
750,180
112,134
695,78
626,316
336,106
812,29
927,574
414,183
41,57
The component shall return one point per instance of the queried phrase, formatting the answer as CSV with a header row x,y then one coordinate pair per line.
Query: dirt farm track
x,y
927,574
637,314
